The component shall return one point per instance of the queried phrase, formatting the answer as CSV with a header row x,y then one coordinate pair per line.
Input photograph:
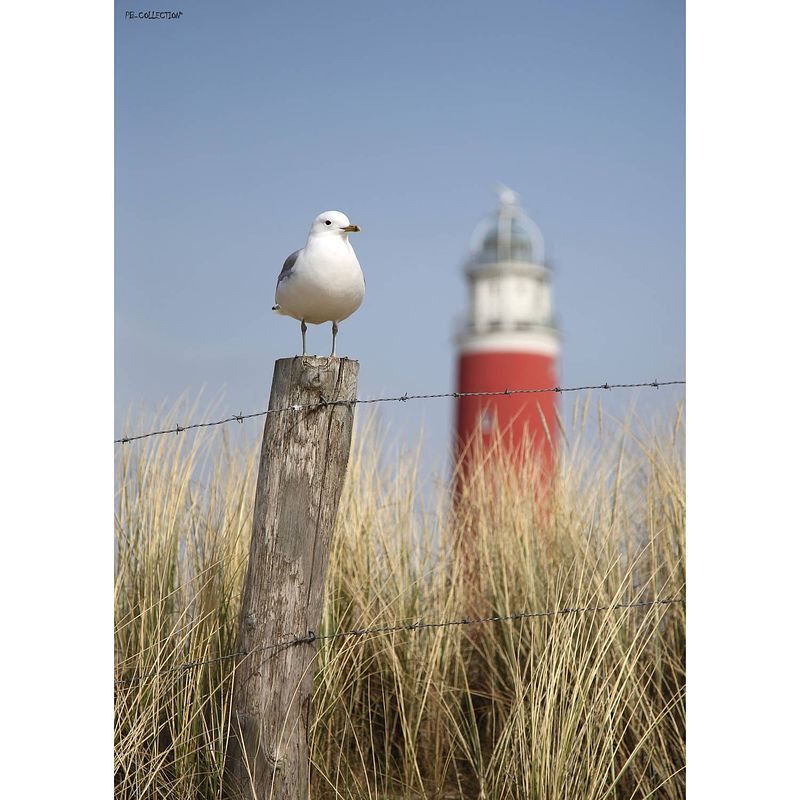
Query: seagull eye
x,y
327,222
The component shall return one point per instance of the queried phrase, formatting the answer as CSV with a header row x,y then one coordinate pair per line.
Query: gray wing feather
x,y
288,266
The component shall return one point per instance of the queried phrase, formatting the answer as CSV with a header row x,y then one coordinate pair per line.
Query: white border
x,y
742,399
57,404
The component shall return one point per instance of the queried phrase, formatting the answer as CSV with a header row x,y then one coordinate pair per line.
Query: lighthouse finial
x,y
506,196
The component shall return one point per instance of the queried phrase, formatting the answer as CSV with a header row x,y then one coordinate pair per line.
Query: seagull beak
x,y
351,229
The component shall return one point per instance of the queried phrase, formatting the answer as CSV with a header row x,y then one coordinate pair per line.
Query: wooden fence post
x,y
304,457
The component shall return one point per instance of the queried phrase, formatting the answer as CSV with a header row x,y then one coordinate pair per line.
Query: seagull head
x,y
332,223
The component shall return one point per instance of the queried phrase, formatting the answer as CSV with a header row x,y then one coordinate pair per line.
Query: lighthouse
x,y
508,340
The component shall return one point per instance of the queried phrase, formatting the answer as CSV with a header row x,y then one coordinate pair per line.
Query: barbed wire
x,y
323,402
311,637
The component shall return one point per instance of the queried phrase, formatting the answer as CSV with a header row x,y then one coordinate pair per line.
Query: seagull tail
x,y
277,309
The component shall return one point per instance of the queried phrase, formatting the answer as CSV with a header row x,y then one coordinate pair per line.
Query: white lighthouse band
x,y
510,308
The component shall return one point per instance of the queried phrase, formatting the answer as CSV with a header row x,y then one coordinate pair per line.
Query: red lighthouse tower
x,y
509,340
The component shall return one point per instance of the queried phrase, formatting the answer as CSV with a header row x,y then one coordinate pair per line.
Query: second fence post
x,y
304,457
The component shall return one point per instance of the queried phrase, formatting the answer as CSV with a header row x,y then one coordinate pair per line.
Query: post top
x,y
317,361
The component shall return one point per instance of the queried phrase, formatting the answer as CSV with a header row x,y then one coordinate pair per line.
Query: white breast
x,y
326,284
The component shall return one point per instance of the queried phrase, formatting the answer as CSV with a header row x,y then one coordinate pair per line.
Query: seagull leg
x,y
303,329
335,330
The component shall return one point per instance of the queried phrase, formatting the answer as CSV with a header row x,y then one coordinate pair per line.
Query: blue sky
x,y
236,124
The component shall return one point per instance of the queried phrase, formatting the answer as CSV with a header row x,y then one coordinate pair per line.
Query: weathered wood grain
x,y
301,473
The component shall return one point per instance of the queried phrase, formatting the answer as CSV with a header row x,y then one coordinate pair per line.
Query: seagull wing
x,y
288,266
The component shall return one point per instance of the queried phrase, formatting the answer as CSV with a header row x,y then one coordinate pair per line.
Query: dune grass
x,y
581,705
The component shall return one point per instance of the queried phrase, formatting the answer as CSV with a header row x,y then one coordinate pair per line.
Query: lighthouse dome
x,y
508,234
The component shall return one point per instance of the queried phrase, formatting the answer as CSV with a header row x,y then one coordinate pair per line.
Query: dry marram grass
x,y
580,705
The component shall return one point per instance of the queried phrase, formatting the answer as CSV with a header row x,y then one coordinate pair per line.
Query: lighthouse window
x,y
486,420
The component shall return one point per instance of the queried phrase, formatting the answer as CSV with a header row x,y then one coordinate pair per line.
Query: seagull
x,y
323,282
